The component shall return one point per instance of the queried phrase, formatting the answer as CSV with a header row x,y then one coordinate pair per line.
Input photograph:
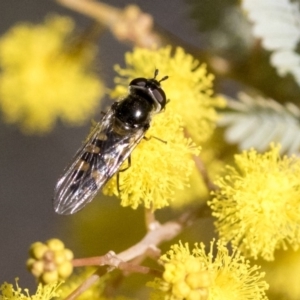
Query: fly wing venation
x,y
94,164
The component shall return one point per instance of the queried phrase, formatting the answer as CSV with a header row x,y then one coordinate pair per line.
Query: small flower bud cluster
x,y
188,279
51,261
198,275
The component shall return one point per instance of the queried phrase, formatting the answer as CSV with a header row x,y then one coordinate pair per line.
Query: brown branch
x,y
147,246
112,260
133,26
103,13
150,242
84,286
129,24
151,222
89,261
202,170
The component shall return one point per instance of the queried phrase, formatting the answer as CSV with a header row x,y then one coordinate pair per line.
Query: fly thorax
x,y
134,112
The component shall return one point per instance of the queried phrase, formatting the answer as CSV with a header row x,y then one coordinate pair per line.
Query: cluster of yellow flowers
x,y
51,261
44,76
258,204
44,292
195,275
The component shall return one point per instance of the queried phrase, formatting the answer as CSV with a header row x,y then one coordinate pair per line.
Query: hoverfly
x,y
109,144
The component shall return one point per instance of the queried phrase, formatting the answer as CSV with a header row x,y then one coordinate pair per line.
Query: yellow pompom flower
x,y
257,205
159,169
51,261
189,87
45,77
44,292
195,275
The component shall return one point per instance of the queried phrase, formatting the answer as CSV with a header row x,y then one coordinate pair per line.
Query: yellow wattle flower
x,y
44,292
189,86
197,275
257,205
158,170
44,77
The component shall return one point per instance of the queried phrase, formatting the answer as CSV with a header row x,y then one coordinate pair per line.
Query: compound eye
x,y
139,82
160,96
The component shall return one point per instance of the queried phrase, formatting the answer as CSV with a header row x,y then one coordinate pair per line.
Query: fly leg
x,y
123,170
150,137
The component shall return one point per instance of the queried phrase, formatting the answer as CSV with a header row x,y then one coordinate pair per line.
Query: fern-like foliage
x,y
256,122
277,23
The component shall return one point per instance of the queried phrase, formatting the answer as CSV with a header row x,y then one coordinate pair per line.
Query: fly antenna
x,y
156,73
164,78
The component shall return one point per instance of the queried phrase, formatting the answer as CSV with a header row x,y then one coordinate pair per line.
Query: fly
x,y
109,145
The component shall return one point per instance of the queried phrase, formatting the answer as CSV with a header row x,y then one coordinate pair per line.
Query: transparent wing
x,y
93,165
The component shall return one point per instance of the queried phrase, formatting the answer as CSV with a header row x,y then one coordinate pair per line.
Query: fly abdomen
x,y
78,174
97,143
90,158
